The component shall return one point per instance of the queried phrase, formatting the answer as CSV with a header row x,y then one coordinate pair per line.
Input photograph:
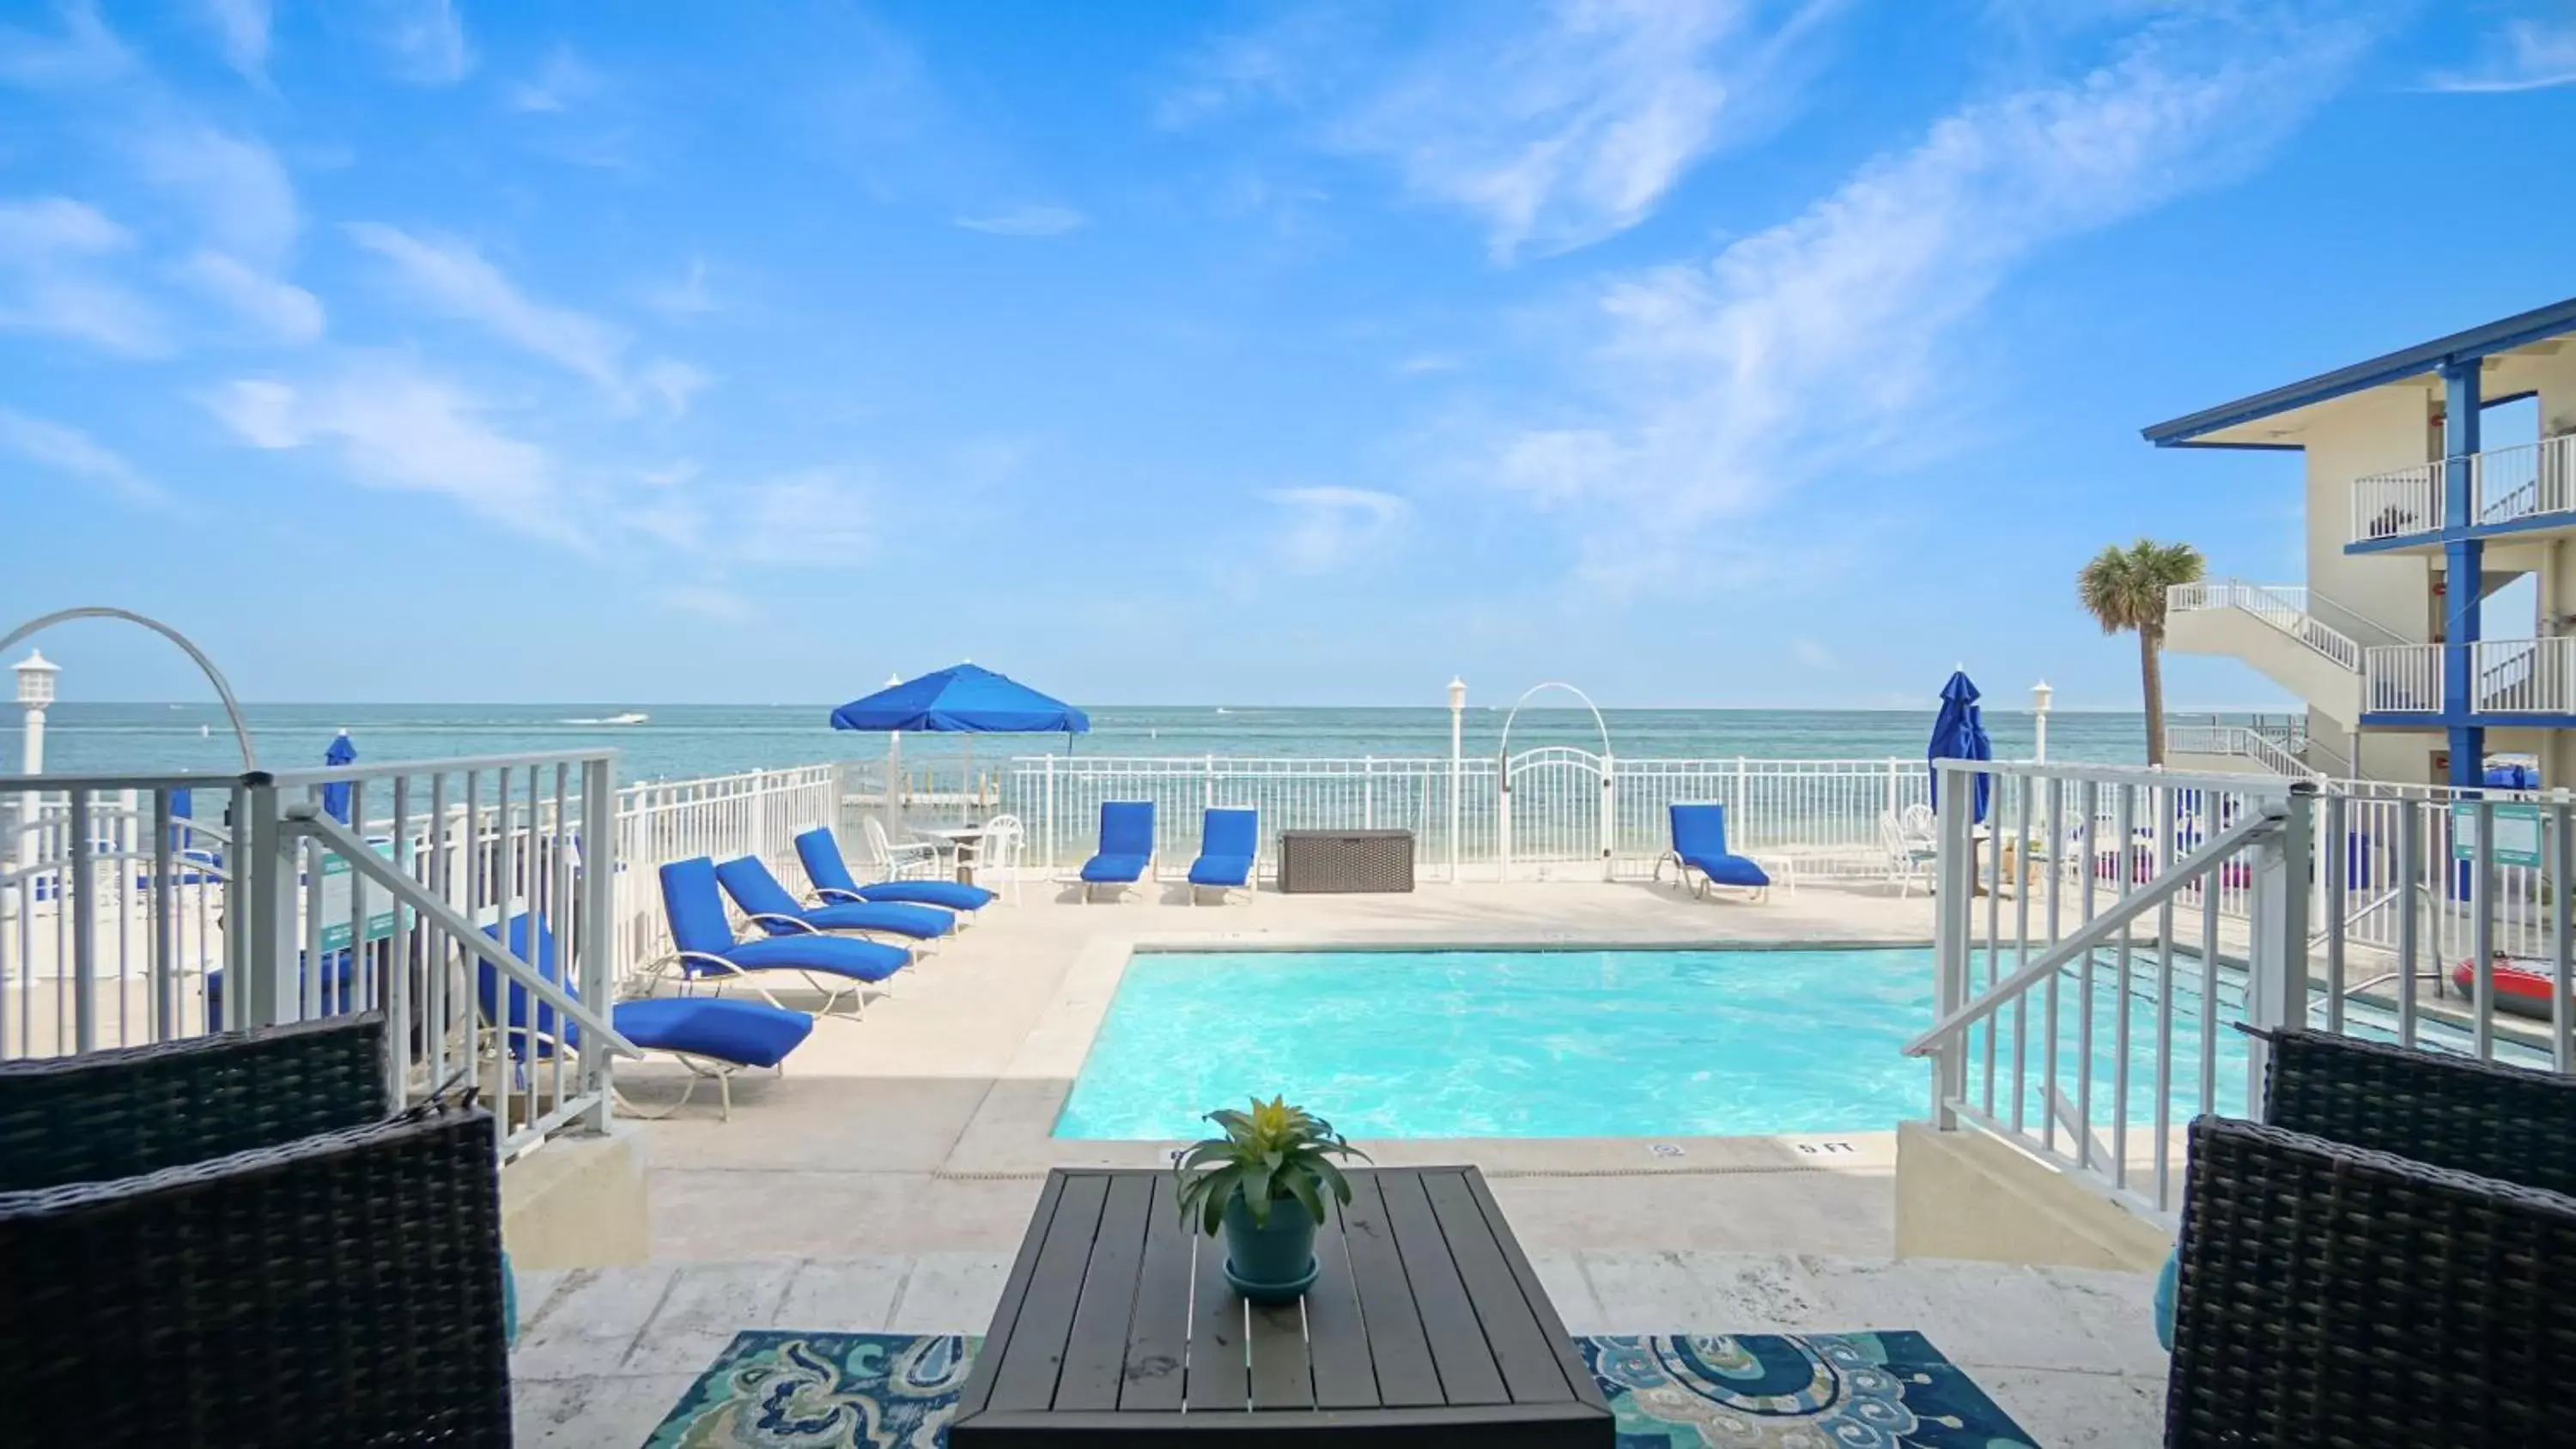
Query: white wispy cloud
x,y
248,216
237,186
815,517
83,52
391,425
73,454
53,280
562,83
1810,347
1331,527
1026,221
282,310
426,40
452,277
687,297
674,384
1555,124
2526,55
711,601
241,31
1813,654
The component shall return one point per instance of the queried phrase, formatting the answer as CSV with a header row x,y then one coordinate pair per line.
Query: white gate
x,y
1557,814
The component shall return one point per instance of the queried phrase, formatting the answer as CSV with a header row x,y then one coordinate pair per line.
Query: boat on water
x,y
631,717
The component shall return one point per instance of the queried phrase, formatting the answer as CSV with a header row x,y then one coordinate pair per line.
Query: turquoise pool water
x,y
1572,1043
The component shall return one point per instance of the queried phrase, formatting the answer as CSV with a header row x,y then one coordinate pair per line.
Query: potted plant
x,y
1264,1181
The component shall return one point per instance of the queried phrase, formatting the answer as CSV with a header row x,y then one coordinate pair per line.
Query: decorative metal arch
x,y
214,676
1505,754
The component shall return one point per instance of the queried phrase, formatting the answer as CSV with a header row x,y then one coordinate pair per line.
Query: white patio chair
x,y
997,854
1906,857
912,860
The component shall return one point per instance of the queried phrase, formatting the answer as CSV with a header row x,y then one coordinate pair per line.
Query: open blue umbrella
x,y
962,699
335,798
1959,733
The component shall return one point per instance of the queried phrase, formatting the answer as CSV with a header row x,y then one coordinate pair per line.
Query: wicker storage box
x,y
1315,861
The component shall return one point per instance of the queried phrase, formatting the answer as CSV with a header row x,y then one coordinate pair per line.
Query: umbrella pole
x,y
890,806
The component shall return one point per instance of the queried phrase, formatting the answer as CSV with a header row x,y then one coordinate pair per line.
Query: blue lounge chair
x,y
770,907
1126,846
830,874
712,1037
1229,850
708,951
1699,844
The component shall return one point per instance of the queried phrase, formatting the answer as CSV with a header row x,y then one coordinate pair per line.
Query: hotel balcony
x,y
2523,489
2512,681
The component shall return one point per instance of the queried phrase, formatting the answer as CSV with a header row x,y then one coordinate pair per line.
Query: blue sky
x,y
1730,353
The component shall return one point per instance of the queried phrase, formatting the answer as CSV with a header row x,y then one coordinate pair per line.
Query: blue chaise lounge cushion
x,y
829,872
698,926
1126,843
1228,840
753,1033
751,885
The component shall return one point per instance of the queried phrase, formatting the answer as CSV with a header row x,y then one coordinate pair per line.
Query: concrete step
x,y
604,1353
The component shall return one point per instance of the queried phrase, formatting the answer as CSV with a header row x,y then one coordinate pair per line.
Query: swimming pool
x,y
1628,1043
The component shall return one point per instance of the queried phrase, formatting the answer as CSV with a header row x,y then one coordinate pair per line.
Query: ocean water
x,y
678,741
1575,1043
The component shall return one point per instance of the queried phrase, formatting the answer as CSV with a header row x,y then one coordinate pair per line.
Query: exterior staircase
x,y
2281,630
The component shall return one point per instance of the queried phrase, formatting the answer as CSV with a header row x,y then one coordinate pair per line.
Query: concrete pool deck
x,y
885,1180
925,1127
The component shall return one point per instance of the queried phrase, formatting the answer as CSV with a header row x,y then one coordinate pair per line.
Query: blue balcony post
x,y
2466,561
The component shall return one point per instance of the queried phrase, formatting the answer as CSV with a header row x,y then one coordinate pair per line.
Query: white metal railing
x,y
2084,1012
141,909
2398,503
755,812
2285,607
2524,676
1550,813
2402,679
2237,741
2530,480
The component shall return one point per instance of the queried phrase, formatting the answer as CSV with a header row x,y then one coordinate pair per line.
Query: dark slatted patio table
x,y
1426,1327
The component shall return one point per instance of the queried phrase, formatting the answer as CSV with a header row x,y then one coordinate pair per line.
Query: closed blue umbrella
x,y
1959,733
335,798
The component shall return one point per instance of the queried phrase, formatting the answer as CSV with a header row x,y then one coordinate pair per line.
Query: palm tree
x,y
2124,588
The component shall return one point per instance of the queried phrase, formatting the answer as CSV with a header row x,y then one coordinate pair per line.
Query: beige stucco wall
x,y
578,1202
2368,432
1966,1195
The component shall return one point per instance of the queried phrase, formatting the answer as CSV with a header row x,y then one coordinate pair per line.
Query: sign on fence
x,y
2518,836
337,881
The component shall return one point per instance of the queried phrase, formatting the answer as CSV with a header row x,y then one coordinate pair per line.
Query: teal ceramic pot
x,y
1273,1262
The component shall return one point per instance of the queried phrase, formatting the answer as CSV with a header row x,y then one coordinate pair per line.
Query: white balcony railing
x,y
2524,676
2243,742
2398,503
2402,679
2285,607
2533,480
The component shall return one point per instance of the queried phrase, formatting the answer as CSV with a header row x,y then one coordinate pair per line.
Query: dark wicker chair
x,y
132,1110
2350,1276
312,1282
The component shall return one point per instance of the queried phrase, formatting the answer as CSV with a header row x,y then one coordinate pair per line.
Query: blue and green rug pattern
x,y
782,1390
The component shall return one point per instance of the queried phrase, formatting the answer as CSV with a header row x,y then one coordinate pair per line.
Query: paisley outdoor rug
x,y
784,1390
